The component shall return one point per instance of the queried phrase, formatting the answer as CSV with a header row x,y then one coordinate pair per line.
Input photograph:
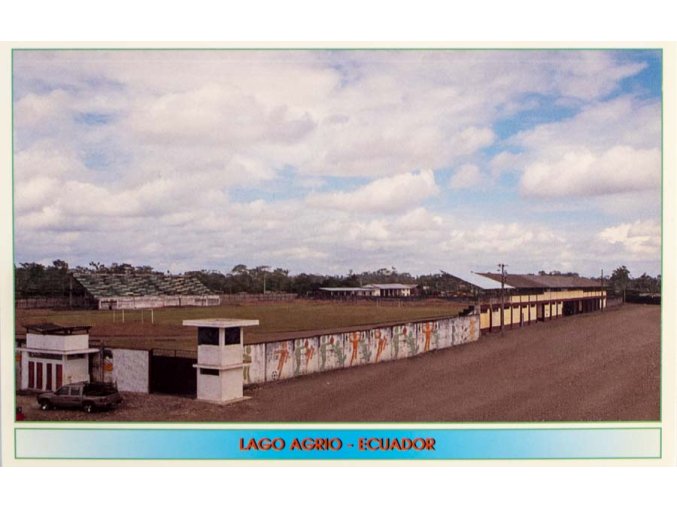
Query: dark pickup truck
x,y
88,396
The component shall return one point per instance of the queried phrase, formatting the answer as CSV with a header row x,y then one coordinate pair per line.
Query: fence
x,y
52,303
611,302
147,302
643,299
249,298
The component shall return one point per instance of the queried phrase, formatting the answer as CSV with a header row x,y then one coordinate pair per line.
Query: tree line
x,y
36,280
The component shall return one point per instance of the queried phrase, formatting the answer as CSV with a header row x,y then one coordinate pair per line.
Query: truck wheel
x,y
45,405
88,408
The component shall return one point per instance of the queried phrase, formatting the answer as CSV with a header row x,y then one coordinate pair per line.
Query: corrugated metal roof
x,y
390,286
482,282
346,289
544,281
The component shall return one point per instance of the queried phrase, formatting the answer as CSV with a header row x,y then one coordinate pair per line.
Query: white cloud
x,y
386,195
609,148
617,170
148,157
640,238
466,176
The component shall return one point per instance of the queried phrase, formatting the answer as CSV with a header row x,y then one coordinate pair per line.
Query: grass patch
x,y
167,330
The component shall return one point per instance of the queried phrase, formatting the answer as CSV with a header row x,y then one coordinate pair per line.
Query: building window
x,y
232,335
207,336
208,371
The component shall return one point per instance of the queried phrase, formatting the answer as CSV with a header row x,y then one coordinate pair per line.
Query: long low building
x,y
532,298
376,290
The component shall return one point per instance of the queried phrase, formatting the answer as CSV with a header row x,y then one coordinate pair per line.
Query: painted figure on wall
x,y
395,343
365,351
246,363
283,356
310,351
427,330
410,336
331,345
381,342
354,342
302,357
323,352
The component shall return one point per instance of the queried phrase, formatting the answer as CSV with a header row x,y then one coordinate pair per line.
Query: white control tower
x,y
219,358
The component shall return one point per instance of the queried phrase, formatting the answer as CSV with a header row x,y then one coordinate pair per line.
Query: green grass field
x,y
166,331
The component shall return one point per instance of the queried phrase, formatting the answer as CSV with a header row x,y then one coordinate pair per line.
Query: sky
x,y
326,161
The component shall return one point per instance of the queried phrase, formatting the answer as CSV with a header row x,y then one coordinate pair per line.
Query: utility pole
x,y
601,292
502,268
70,291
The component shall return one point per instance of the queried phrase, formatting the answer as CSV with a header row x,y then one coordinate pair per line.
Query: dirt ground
x,y
590,367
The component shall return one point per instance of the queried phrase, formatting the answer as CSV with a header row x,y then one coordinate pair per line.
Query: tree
x,y
619,280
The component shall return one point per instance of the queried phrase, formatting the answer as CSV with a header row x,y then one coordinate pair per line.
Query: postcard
x,y
392,253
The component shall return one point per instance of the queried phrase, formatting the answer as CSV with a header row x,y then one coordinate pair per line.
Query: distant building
x,y
106,291
347,291
532,298
377,290
391,290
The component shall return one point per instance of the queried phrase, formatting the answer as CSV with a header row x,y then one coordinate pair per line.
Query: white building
x,y
219,358
54,355
376,290
390,290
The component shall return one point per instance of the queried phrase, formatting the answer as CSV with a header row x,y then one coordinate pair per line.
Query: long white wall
x,y
267,362
142,302
131,369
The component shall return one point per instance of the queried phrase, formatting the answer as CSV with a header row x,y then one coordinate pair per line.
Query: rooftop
x,y
482,282
390,286
55,329
346,289
220,323
543,281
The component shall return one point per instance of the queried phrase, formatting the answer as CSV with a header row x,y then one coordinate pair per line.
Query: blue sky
x,y
326,161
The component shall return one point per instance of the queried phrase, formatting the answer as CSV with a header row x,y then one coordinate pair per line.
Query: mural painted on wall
x,y
465,330
445,334
306,357
425,336
254,364
279,360
405,336
379,343
332,354
357,348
